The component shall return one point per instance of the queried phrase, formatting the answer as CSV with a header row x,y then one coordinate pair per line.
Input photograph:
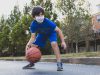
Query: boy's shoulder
x,y
48,21
33,22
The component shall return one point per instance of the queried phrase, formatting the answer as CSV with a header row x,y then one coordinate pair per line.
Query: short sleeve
x,y
33,27
52,24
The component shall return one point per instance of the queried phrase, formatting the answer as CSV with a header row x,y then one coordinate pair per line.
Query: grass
x,y
70,55
73,55
8,58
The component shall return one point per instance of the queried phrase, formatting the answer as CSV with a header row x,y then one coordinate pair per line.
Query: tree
x,y
18,35
2,22
11,21
4,39
14,17
74,20
26,10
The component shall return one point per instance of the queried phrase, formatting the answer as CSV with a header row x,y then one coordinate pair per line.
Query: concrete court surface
x,y
46,68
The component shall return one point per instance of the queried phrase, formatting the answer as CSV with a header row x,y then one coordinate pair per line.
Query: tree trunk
x,y
95,45
71,48
76,47
87,45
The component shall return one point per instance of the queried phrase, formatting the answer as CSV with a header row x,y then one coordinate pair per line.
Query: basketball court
x,y
45,68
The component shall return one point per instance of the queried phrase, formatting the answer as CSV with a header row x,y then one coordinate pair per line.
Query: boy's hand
x,y
63,45
28,46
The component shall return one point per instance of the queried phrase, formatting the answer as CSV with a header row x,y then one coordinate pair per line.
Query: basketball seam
x,y
37,59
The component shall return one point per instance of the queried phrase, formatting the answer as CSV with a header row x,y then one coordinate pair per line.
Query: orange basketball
x,y
33,54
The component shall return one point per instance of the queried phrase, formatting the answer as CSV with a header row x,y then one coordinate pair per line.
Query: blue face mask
x,y
39,19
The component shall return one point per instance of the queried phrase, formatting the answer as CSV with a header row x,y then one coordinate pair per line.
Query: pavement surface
x,y
46,68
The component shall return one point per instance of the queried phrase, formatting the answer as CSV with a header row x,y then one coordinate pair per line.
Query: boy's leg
x,y
40,42
55,48
53,40
58,56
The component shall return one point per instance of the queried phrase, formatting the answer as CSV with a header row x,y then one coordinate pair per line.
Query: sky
x,y
7,5
94,4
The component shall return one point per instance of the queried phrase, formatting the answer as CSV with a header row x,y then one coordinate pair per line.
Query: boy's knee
x,y
54,44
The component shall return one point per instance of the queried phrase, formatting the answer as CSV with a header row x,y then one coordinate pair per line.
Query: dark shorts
x,y
41,39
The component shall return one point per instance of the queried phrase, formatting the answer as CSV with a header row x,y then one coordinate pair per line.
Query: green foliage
x,y
14,31
26,9
76,18
14,17
4,38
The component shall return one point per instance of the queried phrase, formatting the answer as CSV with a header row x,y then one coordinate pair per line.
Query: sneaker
x,y
59,66
28,66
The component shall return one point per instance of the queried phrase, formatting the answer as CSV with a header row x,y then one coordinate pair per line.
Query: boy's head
x,y
38,14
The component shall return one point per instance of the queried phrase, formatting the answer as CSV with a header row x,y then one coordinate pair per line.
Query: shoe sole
x,y
28,68
59,70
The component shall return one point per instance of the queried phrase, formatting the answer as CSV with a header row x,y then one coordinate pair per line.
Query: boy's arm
x,y
63,44
29,44
31,39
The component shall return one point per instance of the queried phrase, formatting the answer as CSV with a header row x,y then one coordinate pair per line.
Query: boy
x,y
46,29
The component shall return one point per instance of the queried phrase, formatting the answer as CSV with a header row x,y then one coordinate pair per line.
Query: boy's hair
x,y
37,10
